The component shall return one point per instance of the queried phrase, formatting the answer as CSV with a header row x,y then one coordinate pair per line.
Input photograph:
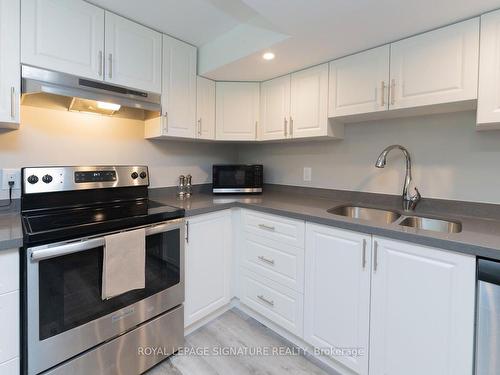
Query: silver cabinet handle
x,y
375,256
265,260
363,261
393,91
199,126
110,73
12,102
256,129
270,302
286,130
165,124
291,126
382,91
267,227
101,63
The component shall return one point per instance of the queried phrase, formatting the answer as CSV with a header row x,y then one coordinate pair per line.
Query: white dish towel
x,y
124,263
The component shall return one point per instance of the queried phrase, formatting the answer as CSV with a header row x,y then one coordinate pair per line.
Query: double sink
x,y
382,216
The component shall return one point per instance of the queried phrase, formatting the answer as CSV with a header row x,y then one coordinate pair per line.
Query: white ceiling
x,y
233,34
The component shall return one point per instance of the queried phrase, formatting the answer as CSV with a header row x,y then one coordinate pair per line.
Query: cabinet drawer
x,y
278,228
9,270
279,304
9,326
277,261
10,367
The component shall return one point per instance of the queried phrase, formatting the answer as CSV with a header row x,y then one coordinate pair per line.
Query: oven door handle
x,y
75,247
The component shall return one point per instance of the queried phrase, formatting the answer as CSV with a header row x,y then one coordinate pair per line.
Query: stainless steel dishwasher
x,y
488,318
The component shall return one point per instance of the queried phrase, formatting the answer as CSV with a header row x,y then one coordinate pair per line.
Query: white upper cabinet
x,y
237,111
337,293
422,310
133,54
9,64
309,102
360,83
275,108
208,265
179,87
488,104
63,35
205,108
437,67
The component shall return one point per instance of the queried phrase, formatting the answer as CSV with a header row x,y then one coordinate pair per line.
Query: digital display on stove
x,y
95,176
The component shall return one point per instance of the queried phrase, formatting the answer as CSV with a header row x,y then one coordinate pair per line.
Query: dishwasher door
x,y
488,318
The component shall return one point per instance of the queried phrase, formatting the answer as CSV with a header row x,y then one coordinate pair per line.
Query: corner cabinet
x,y
208,264
337,294
237,111
10,83
275,109
422,310
488,102
205,108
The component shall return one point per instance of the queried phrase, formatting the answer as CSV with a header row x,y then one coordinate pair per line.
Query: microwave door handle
x,y
75,247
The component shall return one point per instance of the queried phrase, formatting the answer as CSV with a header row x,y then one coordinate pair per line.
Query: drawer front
x,y
9,326
278,228
277,261
279,304
11,367
9,270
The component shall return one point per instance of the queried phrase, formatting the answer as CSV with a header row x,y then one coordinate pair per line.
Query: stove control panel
x,y
53,179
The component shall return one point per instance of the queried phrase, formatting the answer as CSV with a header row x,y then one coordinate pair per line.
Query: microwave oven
x,y
237,179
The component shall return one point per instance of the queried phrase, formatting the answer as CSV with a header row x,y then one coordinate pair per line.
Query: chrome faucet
x,y
409,200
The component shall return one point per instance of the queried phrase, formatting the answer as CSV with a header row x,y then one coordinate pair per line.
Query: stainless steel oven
x,y
66,313
237,179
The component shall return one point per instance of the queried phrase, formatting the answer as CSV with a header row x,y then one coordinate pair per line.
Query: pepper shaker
x,y
181,188
188,186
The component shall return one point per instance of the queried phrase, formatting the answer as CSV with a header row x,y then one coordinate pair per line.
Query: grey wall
x,y
451,160
54,137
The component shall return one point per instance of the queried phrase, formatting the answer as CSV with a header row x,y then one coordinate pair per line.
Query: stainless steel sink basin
x,y
435,225
365,213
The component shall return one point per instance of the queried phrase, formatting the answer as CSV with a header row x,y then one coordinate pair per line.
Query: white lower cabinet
x,y
11,367
337,294
208,264
422,310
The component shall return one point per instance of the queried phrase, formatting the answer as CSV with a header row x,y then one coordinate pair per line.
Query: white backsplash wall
x,y
54,137
450,159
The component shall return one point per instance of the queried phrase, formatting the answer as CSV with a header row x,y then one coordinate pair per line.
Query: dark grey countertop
x,y
480,234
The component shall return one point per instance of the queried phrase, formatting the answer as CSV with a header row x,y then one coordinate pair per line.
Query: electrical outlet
x,y
11,175
307,173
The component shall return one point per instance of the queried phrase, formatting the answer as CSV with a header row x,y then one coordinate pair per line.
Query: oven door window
x,y
70,286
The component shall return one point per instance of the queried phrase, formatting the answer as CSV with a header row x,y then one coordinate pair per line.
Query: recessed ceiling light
x,y
268,56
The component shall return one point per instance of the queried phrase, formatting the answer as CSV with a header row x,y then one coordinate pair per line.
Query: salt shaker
x,y
181,188
188,186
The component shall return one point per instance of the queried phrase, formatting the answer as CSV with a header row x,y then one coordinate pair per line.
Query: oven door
x,y
65,312
237,178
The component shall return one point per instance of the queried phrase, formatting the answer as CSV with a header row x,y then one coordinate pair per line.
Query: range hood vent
x,y
49,89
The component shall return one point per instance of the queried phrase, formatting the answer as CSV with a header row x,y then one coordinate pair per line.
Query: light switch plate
x,y
11,175
307,173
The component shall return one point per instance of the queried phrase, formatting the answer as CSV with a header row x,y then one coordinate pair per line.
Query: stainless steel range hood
x,y
49,89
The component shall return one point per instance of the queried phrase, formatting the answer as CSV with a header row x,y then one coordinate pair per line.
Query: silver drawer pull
x,y
270,302
265,260
266,227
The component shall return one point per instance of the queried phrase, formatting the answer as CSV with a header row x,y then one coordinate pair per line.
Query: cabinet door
x,y
11,367
237,110
337,293
179,87
208,265
488,101
63,35
422,318
205,108
309,102
9,63
275,108
360,83
9,326
437,67
133,54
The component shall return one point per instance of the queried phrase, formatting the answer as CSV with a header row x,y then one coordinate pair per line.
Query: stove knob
x,y
134,175
47,178
143,175
32,179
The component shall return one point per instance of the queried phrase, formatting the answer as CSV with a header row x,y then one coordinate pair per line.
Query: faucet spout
x,y
410,200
